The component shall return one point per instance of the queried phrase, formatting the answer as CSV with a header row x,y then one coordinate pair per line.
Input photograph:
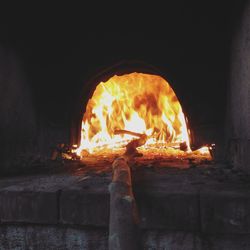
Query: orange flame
x,y
136,102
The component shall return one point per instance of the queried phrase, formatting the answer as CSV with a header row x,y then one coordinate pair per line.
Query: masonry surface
x,y
200,207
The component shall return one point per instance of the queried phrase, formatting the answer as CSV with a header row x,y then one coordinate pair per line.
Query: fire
x,y
137,102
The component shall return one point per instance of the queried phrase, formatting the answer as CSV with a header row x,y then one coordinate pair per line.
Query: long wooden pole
x,y
123,224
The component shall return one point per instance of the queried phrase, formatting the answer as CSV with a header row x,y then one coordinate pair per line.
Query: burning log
x,y
131,148
123,131
183,146
123,224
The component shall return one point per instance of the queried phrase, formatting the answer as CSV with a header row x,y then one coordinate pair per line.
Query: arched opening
x,y
136,102
132,105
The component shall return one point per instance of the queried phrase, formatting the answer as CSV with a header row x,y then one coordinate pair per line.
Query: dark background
x,y
61,46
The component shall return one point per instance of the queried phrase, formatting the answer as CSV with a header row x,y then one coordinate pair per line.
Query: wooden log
x,y
123,131
131,148
123,224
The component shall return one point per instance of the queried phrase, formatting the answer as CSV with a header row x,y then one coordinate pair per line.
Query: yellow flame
x,y
137,102
203,150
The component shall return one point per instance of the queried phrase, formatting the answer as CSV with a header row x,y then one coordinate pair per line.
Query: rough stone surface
x,y
82,208
168,198
32,199
33,237
174,207
163,240
82,205
28,206
190,200
224,210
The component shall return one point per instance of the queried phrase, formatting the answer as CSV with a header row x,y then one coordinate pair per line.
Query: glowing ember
x,y
136,102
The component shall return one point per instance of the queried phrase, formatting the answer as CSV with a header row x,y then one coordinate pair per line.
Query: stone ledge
x,y
224,210
173,208
165,201
32,199
28,206
82,208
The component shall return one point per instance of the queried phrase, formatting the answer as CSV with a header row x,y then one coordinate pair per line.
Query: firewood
x,y
183,146
123,224
123,131
131,148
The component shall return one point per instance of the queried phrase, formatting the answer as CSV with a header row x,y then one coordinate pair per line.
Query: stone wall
x,y
238,124
17,117
52,237
185,210
37,237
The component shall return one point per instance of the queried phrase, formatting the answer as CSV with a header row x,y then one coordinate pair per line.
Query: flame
x,y
136,102
203,150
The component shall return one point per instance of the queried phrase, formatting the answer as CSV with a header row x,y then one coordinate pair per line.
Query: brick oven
x,y
49,71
